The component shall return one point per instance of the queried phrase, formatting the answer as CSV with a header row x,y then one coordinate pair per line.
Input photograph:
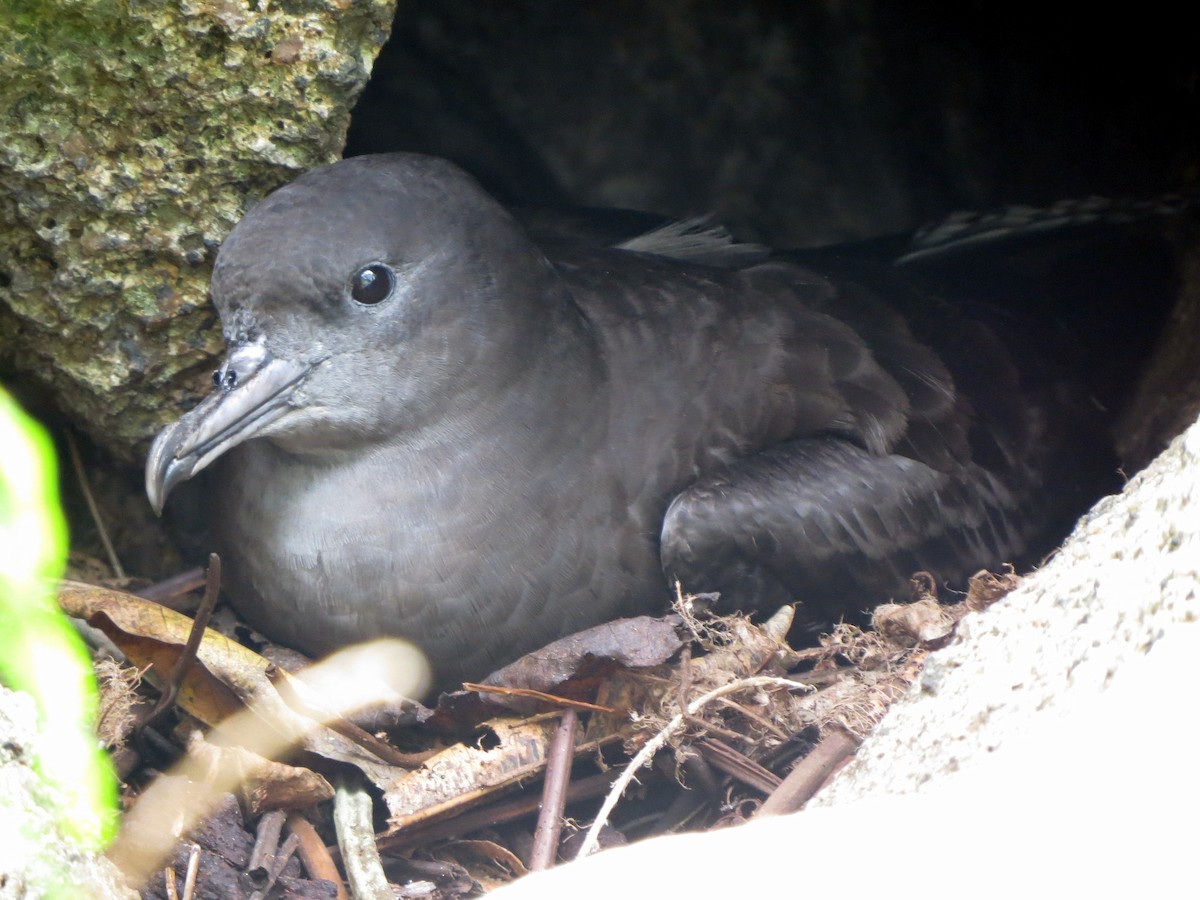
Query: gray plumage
x,y
510,445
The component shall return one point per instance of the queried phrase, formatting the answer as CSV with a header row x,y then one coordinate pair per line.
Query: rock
x,y
132,138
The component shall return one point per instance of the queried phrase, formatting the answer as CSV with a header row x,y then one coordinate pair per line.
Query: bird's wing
x,y
829,524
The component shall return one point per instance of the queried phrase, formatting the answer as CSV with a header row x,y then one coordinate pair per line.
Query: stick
x,y
652,746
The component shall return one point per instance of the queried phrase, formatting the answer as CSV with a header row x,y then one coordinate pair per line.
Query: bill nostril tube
x,y
224,378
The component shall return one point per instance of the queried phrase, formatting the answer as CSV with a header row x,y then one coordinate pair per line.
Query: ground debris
x,y
686,722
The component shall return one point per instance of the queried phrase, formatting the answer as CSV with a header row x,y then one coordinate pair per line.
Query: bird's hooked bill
x,y
253,389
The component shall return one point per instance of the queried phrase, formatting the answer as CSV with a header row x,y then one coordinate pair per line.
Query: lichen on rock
x,y
132,139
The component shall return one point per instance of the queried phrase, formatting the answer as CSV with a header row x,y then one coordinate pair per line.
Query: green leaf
x,y
39,651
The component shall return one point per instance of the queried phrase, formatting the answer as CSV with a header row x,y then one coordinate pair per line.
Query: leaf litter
x,y
688,721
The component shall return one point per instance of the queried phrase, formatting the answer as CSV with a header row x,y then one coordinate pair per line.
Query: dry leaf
x,y
630,643
920,623
225,677
486,861
264,785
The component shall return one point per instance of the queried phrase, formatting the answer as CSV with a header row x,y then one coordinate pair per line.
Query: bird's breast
x,y
472,564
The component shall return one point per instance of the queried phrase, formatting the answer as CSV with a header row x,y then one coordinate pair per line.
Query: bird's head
x,y
368,298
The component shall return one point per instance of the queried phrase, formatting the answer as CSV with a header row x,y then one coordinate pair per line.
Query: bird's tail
x,y
965,231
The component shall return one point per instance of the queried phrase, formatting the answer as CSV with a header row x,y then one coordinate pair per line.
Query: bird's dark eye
x,y
372,284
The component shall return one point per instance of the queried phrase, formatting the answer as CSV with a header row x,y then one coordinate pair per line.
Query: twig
x,y
292,690
195,636
737,765
652,746
683,606
193,868
809,774
755,717
554,794
685,670
278,862
706,727
170,588
356,838
696,766
530,693
150,739
691,800
317,861
77,464
685,690
498,814
266,843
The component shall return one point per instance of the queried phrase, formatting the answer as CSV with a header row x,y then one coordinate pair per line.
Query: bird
x,y
438,422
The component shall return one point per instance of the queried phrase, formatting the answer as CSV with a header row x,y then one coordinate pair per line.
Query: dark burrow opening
x,y
802,125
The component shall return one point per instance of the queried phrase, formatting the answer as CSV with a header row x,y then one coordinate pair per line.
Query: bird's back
x,y
763,398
